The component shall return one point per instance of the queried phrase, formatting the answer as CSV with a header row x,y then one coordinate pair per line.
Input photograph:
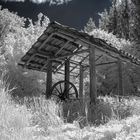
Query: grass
x,y
38,119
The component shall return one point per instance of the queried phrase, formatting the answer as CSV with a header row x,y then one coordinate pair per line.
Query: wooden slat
x,y
81,81
93,93
62,48
81,85
45,65
44,43
67,76
99,57
58,47
72,54
120,78
49,80
67,58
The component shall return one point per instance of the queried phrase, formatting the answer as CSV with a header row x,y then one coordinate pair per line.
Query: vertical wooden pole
x,y
93,94
81,78
120,78
49,80
81,81
65,108
67,74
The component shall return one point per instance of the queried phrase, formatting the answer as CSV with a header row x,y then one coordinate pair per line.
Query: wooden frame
x,y
120,78
93,94
49,79
49,55
67,74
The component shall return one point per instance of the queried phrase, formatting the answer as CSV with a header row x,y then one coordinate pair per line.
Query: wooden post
x,y
120,78
49,80
82,101
67,74
91,105
81,76
65,110
93,93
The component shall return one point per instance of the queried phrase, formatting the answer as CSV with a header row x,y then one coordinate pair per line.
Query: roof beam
x,y
62,48
55,46
44,43
86,42
72,54
68,58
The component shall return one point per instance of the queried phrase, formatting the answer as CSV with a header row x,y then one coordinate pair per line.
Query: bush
x,y
14,119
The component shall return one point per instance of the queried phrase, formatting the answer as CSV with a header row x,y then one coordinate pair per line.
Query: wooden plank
x,y
81,96
71,54
81,78
45,65
99,57
62,48
44,43
58,47
64,62
120,78
67,75
93,93
63,74
49,80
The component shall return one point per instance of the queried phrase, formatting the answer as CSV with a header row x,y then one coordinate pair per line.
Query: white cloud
x,y
51,2
14,0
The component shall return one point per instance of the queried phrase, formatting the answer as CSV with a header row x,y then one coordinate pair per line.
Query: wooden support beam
x,y
44,43
81,96
99,57
120,78
45,65
67,75
62,48
81,81
63,74
93,93
58,47
68,59
49,80
71,54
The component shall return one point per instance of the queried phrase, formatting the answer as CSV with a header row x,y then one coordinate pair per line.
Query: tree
x,y
90,26
123,20
16,39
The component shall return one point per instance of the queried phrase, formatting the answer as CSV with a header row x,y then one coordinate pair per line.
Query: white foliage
x,y
15,42
110,38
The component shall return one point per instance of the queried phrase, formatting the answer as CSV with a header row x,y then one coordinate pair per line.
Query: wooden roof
x,y
59,42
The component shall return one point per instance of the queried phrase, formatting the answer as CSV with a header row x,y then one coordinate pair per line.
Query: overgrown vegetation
x,y
34,117
38,119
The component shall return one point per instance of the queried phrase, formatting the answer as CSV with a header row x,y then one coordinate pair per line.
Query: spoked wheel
x,y
59,92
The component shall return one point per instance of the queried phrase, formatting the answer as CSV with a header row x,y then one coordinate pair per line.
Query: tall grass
x,y
28,121
38,119
14,119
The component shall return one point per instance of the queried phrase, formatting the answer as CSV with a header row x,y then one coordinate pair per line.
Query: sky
x,y
74,13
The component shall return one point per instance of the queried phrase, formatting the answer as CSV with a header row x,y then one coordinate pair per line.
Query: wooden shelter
x,y
64,50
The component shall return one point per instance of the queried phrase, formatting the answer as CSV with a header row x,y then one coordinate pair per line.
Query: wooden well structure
x,y
64,50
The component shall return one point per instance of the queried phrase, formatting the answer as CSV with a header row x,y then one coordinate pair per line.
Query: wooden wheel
x,y
60,93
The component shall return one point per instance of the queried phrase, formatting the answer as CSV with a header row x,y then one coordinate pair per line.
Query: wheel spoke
x,y
69,89
57,90
71,93
61,88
